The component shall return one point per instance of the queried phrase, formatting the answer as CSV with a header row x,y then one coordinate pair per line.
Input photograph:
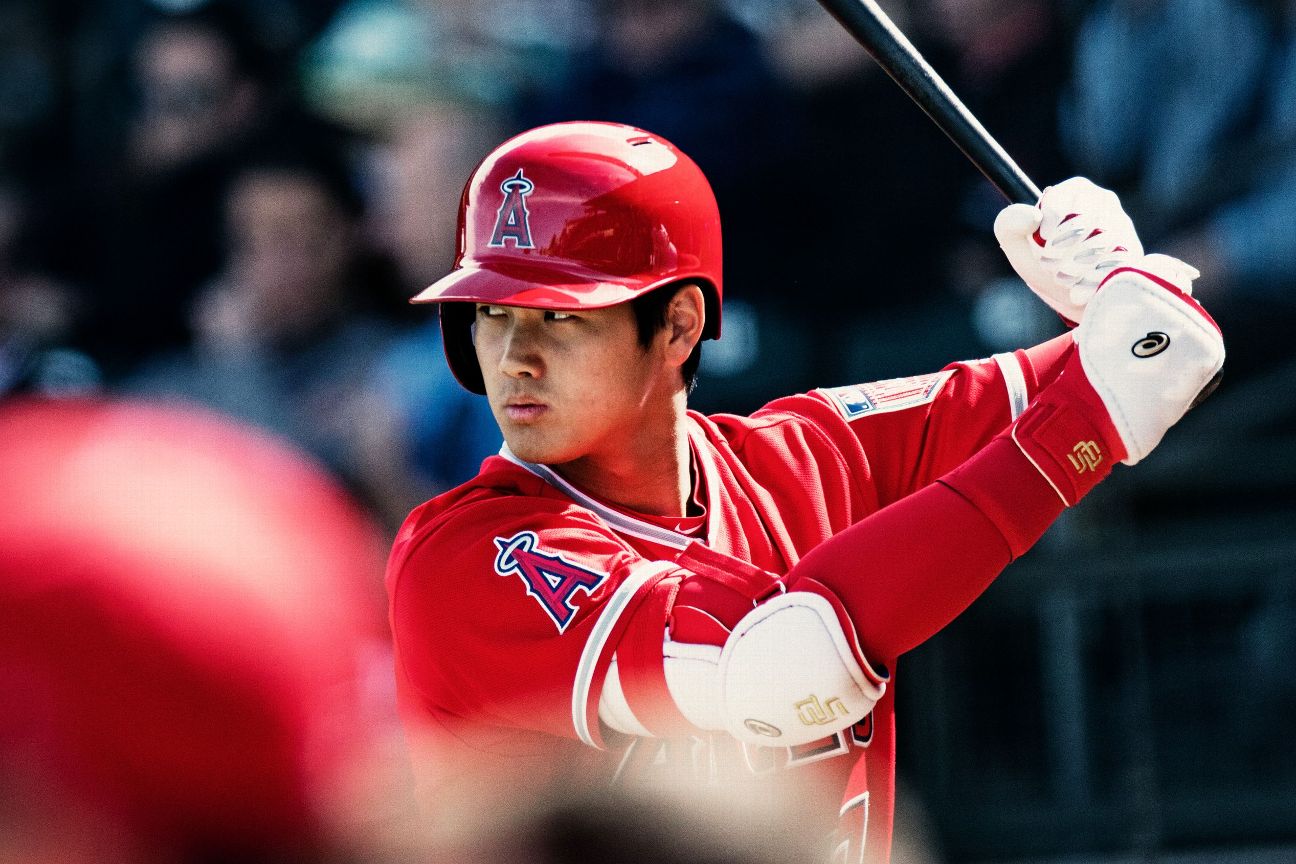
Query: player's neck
x,y
649,472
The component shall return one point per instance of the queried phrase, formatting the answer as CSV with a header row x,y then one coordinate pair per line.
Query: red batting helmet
x,y
578,215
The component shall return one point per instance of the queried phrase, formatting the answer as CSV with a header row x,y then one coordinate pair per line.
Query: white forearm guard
x,y
787,675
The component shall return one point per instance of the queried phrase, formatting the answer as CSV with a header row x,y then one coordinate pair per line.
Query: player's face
x,y
565,385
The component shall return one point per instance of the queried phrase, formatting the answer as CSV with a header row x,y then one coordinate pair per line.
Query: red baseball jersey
x,y
512,594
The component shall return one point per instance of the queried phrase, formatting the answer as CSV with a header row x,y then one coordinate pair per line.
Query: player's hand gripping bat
x,y
873,29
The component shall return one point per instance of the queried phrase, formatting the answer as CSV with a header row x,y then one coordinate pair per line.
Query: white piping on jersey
x,y
1015,381
620,521
843,849
598,640
1018,398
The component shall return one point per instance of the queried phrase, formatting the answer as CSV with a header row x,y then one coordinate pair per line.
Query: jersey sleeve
x,y
899,435
507,614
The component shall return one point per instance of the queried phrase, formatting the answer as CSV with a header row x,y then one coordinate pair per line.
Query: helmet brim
x,y
535,288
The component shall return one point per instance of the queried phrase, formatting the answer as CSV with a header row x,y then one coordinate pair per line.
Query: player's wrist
x,y
1147,349
1067,436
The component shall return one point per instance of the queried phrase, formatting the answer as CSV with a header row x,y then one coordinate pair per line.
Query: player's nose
x,y
520,351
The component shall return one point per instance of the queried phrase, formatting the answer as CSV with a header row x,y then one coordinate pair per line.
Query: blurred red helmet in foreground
x,y
181,600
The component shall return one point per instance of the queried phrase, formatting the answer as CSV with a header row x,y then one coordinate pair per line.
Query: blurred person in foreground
x,y
704,823
633,592
185,614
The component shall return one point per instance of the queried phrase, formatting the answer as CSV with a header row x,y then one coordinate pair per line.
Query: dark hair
x,y
650,316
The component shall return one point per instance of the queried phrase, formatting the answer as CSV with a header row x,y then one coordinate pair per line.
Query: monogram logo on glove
x,y
812,712
1151,345
1085,456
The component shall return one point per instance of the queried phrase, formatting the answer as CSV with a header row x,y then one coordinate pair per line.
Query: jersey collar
x,y
624,523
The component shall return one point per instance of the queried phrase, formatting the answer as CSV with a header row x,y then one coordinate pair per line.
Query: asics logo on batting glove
x,y
1065,245
1151,345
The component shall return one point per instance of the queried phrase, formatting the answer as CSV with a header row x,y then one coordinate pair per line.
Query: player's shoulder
x,y
910,395
803,416
825,417
828,407
792,431
782,416
501,494
503,502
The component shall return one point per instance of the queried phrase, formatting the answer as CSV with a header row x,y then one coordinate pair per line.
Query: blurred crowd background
x,y
225,204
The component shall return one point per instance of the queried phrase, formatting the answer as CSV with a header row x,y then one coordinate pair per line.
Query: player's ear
x,y
685,318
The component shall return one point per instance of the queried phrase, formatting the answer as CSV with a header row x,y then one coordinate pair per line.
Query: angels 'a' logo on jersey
x,y
513,222
550,579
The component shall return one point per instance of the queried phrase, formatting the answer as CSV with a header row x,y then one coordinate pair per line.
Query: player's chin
x,y
535,445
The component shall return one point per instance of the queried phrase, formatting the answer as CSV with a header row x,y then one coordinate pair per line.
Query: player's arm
x,y
890,581
1145,350
1063,248
506,615
891,438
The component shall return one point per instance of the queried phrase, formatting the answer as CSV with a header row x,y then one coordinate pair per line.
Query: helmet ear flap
x,y
712,296
456,338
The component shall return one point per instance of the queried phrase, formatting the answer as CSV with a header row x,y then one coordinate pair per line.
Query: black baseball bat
x,y
873,29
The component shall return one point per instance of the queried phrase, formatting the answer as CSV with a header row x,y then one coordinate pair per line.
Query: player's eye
x,y
488,310
554,315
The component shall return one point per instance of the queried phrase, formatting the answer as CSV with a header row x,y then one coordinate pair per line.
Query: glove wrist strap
x,y
1067,436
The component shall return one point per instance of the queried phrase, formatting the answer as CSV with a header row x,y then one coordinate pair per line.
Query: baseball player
x,y
635,588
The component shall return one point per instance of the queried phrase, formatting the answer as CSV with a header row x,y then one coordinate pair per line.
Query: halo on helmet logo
x,y
513,222
1151,345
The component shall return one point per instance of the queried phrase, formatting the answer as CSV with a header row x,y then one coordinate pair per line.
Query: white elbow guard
x,y
785,676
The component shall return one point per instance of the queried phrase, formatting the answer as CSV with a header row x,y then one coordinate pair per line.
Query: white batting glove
x,y
1145,350
1065,245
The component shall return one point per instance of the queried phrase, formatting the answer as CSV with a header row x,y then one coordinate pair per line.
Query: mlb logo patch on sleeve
x,y
880,397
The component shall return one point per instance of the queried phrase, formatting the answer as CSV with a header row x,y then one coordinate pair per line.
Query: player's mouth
x,y
524,410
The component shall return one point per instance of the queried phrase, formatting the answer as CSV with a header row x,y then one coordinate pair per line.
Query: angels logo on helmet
x,y
513,221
